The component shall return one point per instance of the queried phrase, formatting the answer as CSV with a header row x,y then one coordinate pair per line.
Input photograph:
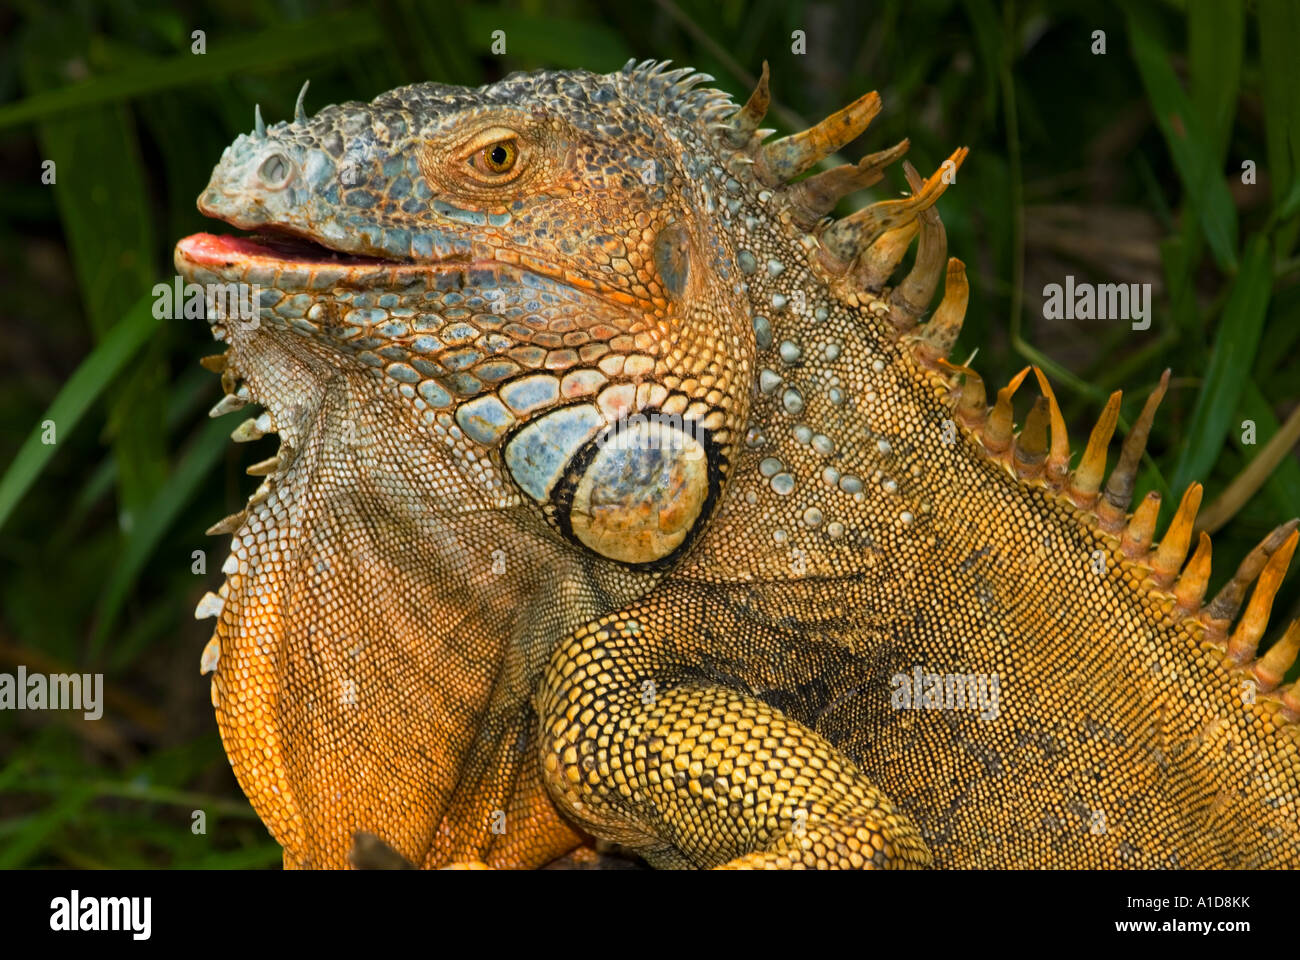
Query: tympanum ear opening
x,y
637,491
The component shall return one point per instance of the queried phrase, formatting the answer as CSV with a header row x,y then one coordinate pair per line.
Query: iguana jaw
x,y
264,252
295,264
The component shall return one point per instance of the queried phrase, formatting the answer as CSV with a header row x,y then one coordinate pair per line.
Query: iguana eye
x,y
496,159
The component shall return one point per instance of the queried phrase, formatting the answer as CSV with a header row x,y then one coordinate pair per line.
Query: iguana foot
x,y
703,776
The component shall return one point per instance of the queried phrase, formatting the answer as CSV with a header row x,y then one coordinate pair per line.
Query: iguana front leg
x,y
702,775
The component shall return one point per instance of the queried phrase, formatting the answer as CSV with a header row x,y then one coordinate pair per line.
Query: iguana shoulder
x,y
621,492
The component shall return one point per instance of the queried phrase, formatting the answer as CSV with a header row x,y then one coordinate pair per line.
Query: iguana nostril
x,y
275,171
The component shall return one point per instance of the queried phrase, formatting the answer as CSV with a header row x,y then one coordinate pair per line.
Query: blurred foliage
x,y
1117,167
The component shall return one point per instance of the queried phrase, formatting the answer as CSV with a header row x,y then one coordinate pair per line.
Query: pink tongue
x,y
219,249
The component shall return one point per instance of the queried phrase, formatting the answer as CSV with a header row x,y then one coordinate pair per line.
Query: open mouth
x,y
269,248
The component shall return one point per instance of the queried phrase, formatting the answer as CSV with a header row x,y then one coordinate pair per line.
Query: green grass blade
x,y
1216,40
85,385
1231,360
1290,204
1279,39
1188,143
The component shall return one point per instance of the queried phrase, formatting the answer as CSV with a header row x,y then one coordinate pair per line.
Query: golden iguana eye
x,y
496,158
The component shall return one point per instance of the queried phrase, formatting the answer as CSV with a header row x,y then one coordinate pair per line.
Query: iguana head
x,y
564,275
532,266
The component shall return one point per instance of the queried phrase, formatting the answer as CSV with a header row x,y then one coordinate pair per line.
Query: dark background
x,y
1122,167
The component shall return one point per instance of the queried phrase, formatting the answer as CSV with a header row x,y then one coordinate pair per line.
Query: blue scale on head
x,y
496,370
484,419
530,393
434,394
461,359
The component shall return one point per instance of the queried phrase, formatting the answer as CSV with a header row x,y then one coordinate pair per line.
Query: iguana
x,y
620,495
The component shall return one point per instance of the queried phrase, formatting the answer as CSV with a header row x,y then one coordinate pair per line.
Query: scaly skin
x,y
459,616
